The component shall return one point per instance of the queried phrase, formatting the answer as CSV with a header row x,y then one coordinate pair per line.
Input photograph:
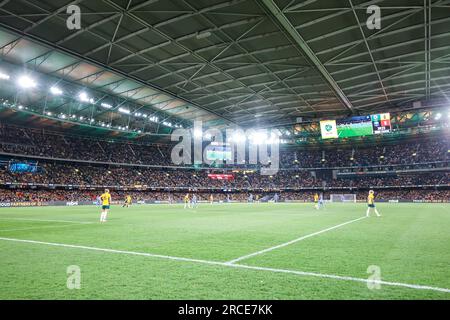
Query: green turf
x,y
410,244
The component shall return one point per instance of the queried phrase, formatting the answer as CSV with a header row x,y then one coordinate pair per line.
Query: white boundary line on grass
x,y
45,220
293,241
237,266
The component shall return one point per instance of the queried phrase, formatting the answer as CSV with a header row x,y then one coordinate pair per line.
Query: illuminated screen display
x,y
221,176
18,167
381,123
214,153
354,127
358,126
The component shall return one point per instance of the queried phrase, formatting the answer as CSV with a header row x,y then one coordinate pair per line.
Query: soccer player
x,y
320,202
194,201
250,198
127,201
106,202
187,203
371,204
211,199
276,198
316,201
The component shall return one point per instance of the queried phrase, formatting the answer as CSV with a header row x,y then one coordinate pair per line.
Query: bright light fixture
x,y
56,91
124,110
83,97
106,105
26,82
4,76
437,116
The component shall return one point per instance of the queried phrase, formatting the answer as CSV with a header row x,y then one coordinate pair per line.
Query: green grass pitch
x,y
409,243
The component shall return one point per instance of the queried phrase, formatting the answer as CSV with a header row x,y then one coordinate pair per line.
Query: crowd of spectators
x,y
42,195
297,170
33,142
80,174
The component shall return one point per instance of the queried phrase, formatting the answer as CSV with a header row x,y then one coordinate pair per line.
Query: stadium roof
x,y
238,62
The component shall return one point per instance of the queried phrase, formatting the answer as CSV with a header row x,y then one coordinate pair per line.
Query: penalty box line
x,y
236,266
293,241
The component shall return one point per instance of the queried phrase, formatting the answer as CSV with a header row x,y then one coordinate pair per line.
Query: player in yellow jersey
x,y
316,201
127,201
187,202
371,203
106,202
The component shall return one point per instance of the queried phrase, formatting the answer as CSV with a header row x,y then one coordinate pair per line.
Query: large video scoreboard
x,y
358,126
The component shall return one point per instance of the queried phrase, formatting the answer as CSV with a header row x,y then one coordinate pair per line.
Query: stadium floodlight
x,y
83,97
81,118
26,82
56,91
63,116
49,113
20,107
437,116
4,76
124,110
144,115
106,105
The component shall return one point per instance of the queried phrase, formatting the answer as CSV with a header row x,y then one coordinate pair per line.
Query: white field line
x,y
293,241
237,266
44,220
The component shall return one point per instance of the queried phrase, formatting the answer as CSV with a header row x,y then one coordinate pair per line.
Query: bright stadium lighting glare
x,y
20,107
258,137
26,82
83,97
238,138
274,138
81,118
106,105
437,116
198,133
124,110
4,76
56,91
49,113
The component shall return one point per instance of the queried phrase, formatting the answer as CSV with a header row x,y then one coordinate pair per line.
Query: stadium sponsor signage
x,y
24,204
72,203
221,176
